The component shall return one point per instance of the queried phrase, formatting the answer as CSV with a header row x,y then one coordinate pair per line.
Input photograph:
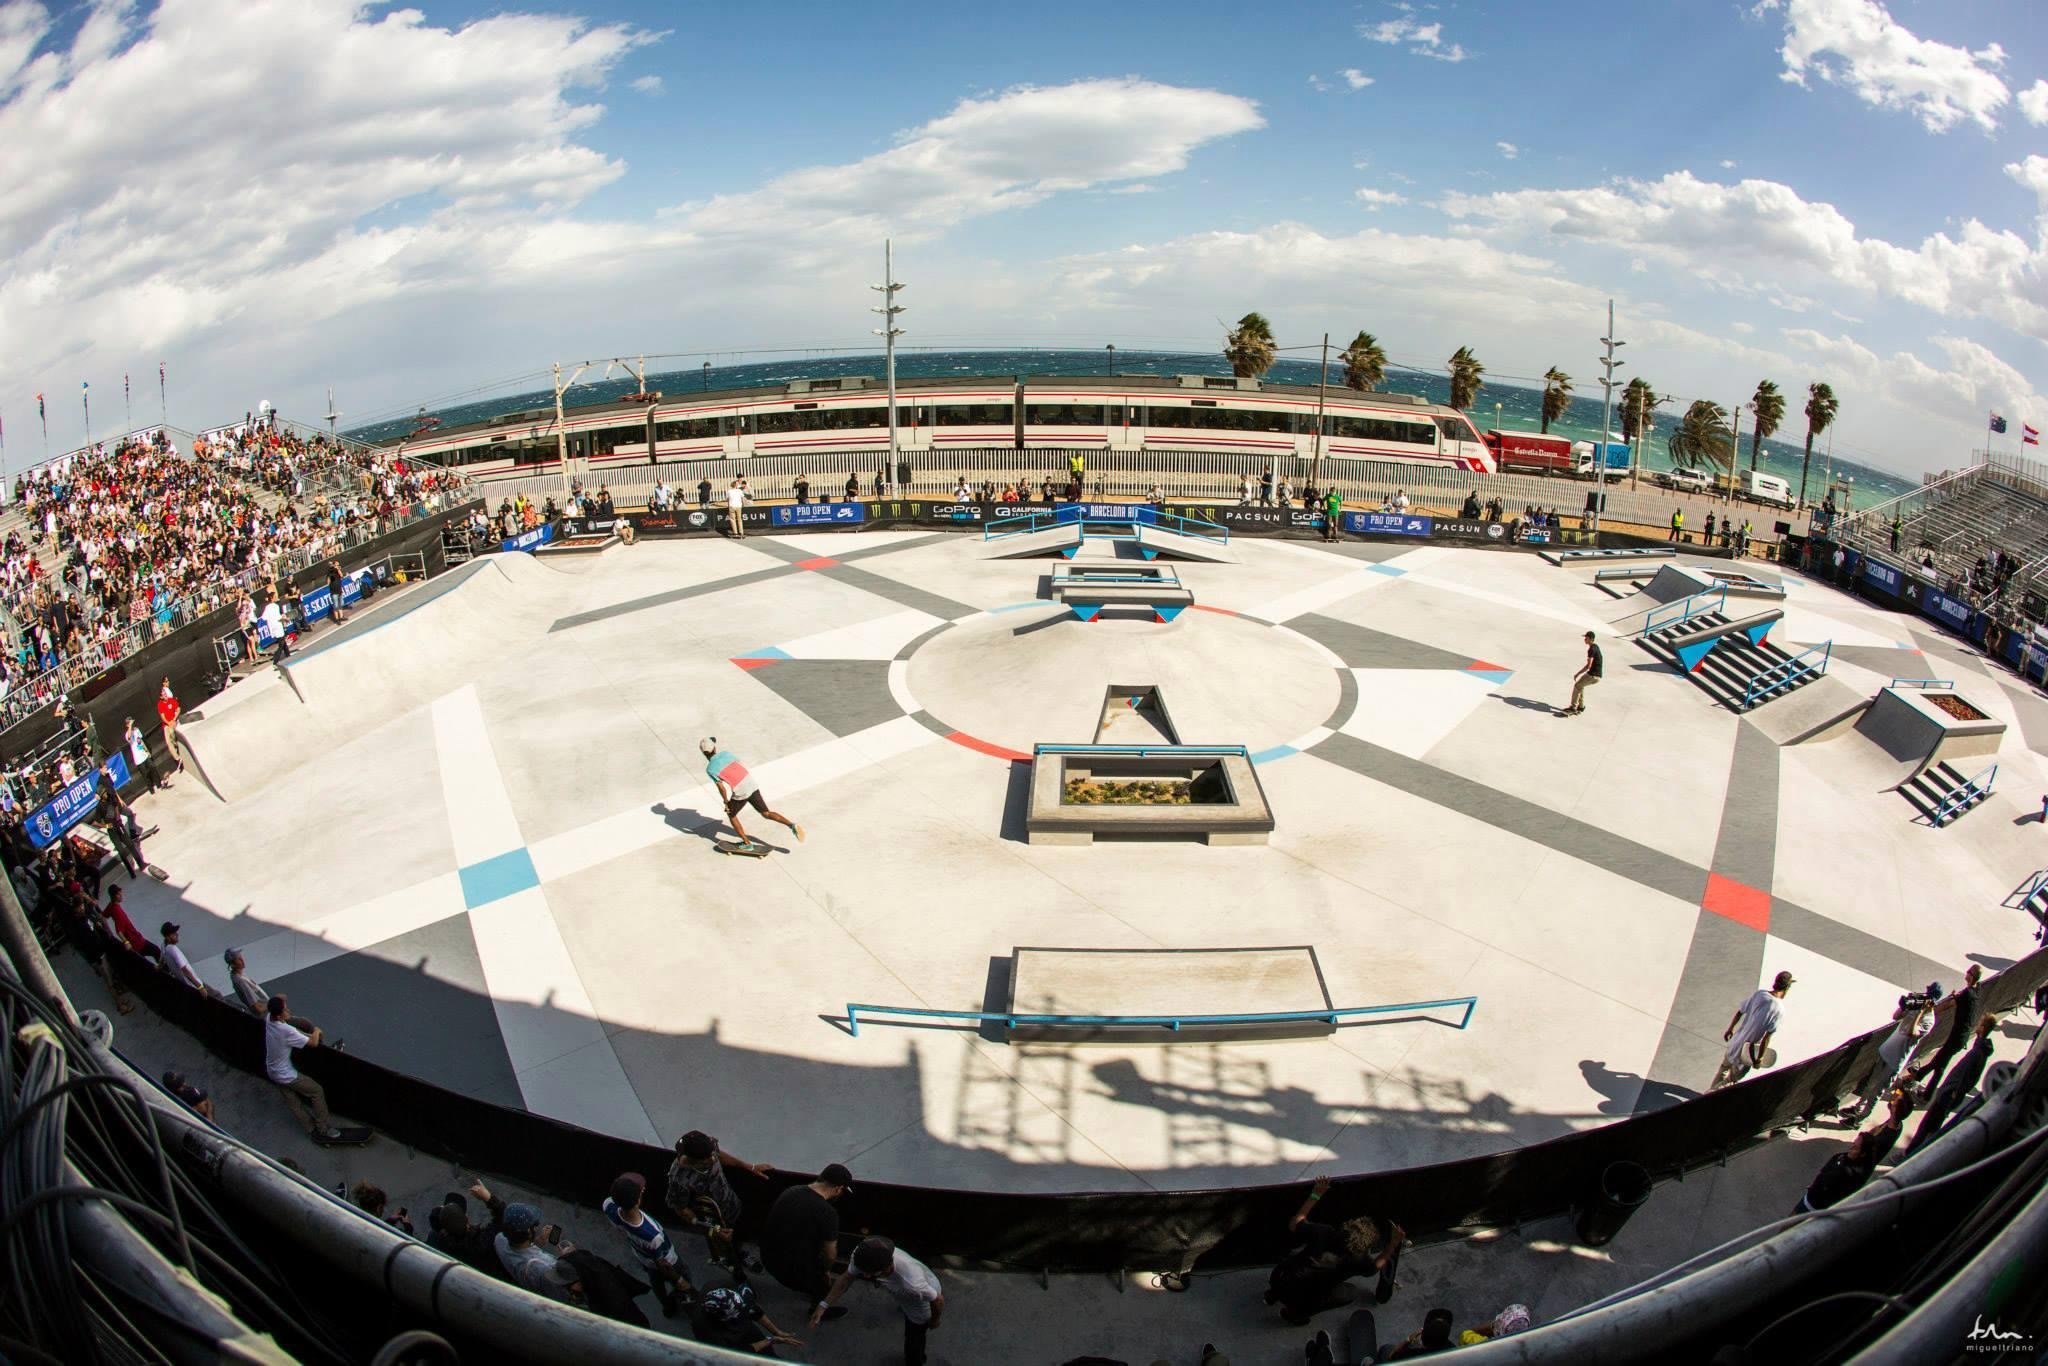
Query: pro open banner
x,y
1386,524
817,514
76,802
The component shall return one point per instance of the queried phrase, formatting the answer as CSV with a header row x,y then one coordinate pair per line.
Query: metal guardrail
x,y
1141,751
1078,514
1793,670
1922,683
1685,609
1171,1023
1951,806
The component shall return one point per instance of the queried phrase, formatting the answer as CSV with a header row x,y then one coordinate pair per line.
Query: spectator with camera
x,y
1911,1023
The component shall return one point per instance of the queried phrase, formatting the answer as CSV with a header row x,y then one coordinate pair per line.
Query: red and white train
x,y
823,416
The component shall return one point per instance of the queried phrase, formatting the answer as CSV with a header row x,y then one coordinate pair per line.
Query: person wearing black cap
x,y
194,1096
451,1231
909,1282
701,1197
174,962
800,1241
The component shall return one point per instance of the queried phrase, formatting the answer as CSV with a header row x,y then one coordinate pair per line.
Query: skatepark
x,y
471,832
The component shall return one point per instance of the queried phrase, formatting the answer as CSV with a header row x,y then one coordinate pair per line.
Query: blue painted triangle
x,y
1492,675
1690,656
1757,633
1148,552
765,652
1168,613
1067,551
1086,611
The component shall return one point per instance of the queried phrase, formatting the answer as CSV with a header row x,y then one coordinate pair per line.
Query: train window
x,y
1065,414
1453,429
689,429
973,414
1383,429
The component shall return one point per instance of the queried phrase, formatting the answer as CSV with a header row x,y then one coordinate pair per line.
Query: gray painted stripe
x,y
901,593
1854,948
912,647
1652,868
1747,849
1347,700
1721,970
620,609
1361,647
931,723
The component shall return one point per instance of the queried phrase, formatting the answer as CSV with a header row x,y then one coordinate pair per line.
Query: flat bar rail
x,y
1139,751
1922,683
1170,1023
1779,677
1686,610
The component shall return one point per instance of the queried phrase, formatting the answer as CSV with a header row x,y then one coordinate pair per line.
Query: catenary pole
x,y
889,332
1315,469
1608,366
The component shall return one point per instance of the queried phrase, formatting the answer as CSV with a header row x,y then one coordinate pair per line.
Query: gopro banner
x,y
818,514
76,802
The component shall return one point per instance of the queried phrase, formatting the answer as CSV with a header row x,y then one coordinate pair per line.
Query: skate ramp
x,y
370,672
1671,583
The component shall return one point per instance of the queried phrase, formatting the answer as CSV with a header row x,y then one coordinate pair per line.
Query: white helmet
x,y
709,745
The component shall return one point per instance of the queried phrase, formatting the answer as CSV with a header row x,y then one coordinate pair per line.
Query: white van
x,y
1766,488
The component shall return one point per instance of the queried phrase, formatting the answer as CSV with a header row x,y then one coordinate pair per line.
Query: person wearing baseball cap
x,y
531,1254
1749,1032
910,1283
800,1240
737,788
174,962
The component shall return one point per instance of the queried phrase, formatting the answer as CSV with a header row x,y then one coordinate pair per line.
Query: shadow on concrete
x,y
689,822
1628,1093
1017,803
1528,703
1058,618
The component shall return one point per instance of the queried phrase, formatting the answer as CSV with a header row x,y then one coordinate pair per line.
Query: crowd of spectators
x,y
135,538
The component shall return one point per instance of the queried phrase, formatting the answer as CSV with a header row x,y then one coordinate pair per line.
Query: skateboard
x,y
347,1137
750,849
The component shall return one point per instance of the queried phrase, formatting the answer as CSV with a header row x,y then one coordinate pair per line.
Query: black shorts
x,y
757,801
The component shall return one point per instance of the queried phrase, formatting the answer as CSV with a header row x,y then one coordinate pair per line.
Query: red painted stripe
x,y
1219,611
1479,664
966,741
821,562
749,663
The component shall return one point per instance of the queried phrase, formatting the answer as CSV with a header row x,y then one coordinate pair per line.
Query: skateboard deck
x,y
347,1138
751,849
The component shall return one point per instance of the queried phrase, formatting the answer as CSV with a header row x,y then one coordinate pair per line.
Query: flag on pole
x,y
1998,424
2028,436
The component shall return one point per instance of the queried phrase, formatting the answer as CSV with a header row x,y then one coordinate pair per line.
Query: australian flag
x,y
1998,424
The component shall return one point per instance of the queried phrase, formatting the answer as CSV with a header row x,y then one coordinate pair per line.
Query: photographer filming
x,y
1914,1017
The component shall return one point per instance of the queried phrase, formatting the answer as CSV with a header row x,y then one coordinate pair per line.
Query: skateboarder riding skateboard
x,y
738,789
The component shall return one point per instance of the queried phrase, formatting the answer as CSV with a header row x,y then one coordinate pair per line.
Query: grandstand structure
x,y
1940,531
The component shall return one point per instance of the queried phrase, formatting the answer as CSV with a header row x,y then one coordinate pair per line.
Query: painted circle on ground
x,y
1020,678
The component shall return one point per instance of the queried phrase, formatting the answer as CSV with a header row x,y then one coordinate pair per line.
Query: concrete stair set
x,y
1723,655
1935,784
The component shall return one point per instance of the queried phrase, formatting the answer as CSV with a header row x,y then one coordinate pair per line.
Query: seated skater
x,y
738,788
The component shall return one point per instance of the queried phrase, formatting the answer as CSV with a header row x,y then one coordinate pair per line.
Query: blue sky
x,y
407,204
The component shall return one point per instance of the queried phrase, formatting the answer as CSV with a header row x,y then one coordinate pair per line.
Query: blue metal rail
x,y
1082,578
1956,802
1685,609
1170,1023
1141,751
1922,683
1780,677
1086,515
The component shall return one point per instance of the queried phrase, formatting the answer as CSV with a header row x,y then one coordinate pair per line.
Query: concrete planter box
x,y
1228,806
1909,725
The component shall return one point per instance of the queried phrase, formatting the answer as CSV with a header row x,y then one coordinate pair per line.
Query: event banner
x,y
1495,533
1881,574
527,540
76,802
1951,612
817,514
1386,524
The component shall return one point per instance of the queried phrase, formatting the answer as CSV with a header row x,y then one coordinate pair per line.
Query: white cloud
x,y
647,85
1141,187
1317,83
2033,173
2034,103
1726,164
1971,381
1375,200
1754,234
1857,44
393,233
1424,40
22,27
1355,78
1508,150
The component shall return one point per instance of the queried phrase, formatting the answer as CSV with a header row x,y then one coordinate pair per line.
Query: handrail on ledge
x,y
1171,1023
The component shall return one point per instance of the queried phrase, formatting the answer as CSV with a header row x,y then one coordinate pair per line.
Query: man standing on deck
x,y
1333,510
735,503
1589,673
737,788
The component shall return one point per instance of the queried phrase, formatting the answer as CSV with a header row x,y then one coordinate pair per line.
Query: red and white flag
x,y
2029,436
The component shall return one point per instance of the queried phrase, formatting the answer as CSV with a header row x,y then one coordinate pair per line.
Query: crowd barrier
x,y
1145,1230
948,515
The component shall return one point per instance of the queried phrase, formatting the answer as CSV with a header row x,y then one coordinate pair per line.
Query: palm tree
x,y
1557,395
1465,377
1703,437
1637,399
1821,407
1769,406
1365,362
1249,346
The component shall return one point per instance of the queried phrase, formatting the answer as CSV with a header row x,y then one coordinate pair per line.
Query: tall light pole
x,y
561,427
1608,365
707,376
889,332
1111,348
1315,468
332,416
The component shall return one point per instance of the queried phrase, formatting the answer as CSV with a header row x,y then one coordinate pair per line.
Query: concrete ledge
x,y
1167,982
1240,817
1911,728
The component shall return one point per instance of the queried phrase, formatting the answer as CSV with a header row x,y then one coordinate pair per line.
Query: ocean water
x,y
1499,403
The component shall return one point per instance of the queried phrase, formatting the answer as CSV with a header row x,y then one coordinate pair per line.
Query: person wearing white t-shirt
x,y
1749,1032
175,963
306,1097
909,1282
273,622
735,501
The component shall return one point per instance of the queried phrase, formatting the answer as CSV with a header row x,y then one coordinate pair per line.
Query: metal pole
x,y
1734,445
561,434
889,332
1608,365
1112,360
1315,469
